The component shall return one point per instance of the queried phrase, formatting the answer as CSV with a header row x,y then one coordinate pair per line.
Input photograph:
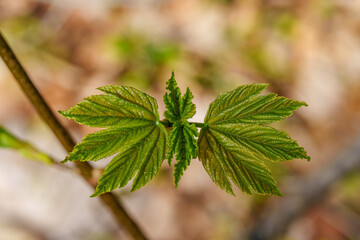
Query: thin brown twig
x,y
85,169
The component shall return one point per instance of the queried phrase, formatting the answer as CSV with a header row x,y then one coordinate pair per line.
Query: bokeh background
x,y
307,50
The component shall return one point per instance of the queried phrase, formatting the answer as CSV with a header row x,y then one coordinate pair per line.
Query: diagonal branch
x,y
63,136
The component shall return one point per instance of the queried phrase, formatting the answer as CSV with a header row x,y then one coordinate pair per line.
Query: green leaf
x,y
243,106
233,145
8,140
263,141
178,108
120,106
142,159
107,142
133,132
182,136
183,144
249,174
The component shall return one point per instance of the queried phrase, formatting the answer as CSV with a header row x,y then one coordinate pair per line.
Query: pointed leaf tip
x,y
96,193
63,113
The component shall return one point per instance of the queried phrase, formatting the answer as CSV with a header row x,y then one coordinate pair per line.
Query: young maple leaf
x,y
133,132
233,145
182,135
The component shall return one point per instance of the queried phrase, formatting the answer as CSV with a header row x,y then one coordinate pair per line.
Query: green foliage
x,y
133,132
178,108
183,144
233,144
7,140
182,136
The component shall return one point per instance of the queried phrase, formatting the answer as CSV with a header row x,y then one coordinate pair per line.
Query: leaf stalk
x,y
167,123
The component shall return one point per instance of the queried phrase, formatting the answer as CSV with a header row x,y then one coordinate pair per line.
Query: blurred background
x,y
307,50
